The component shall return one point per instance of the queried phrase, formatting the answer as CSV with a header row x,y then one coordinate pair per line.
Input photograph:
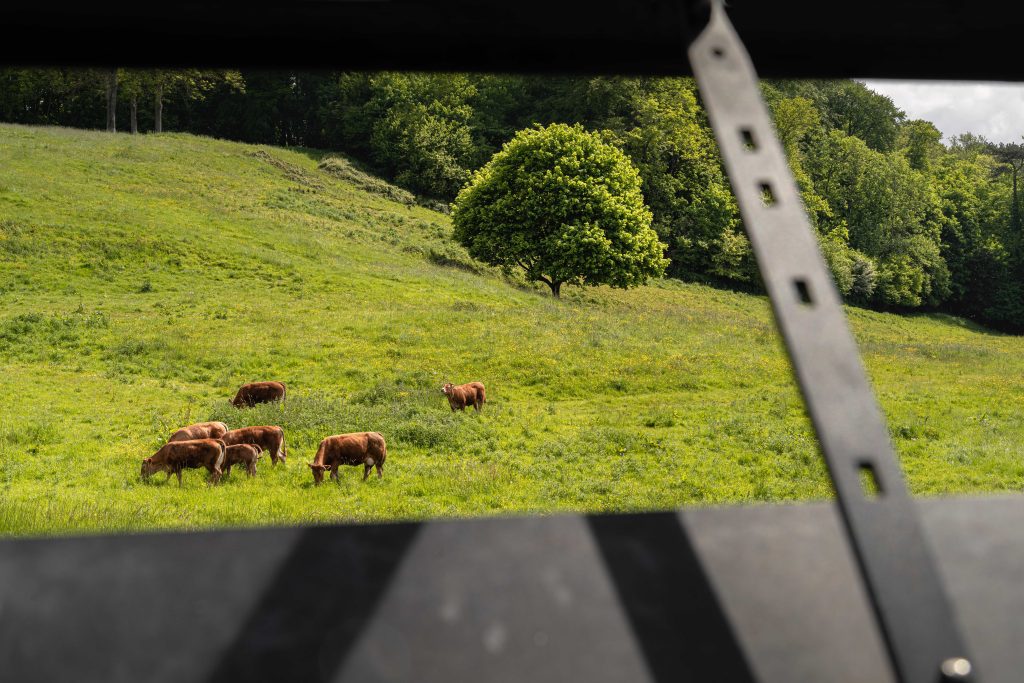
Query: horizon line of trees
x,y
905,221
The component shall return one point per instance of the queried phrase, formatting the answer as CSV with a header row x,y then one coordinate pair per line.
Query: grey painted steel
x,y
917,620
526,600
490,600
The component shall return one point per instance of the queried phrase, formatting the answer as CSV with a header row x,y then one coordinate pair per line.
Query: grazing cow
x,y
176,456
242,454
459,397
270,439
259,392
202,430
360,448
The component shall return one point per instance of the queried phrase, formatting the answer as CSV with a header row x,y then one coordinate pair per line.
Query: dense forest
x,y
905,220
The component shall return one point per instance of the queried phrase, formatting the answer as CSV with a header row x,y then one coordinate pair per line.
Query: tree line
x,y
906,221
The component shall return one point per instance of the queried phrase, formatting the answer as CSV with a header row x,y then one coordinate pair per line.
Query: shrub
x,y
865,276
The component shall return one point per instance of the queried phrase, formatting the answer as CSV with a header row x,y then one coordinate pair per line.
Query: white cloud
x,y
994,110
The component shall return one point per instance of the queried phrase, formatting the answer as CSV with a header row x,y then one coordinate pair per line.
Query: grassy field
x,y
142,279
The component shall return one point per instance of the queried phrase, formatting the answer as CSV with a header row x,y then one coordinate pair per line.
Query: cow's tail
x,y
383,448
219,465
483,396
284,394
282,449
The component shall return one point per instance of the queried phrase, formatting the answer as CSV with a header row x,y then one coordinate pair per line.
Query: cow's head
x,y
149,467
447,388
318,472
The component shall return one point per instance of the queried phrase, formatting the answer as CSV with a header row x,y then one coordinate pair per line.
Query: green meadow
x,y
143,279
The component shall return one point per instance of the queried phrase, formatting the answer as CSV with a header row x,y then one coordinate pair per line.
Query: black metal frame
x,y
793,39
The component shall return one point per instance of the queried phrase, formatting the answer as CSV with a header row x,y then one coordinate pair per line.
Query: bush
x,y
839,260
865,276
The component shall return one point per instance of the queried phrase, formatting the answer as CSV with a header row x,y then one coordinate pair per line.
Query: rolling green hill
x,y
142,279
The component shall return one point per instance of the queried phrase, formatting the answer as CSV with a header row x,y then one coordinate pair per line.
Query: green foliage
x,y
415,127
922,144
565,207
850,107
840,260
870,180
694,211
865,277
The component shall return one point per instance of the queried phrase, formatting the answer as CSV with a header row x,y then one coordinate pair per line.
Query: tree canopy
x,y
564,206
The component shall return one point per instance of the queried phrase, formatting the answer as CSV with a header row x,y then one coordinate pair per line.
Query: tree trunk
x,y
556,289
112,101
1015,207
135,112
158,113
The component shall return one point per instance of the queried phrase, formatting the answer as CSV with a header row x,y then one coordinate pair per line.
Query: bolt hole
x,y
767,195
717,52
747,136
869,485
803,292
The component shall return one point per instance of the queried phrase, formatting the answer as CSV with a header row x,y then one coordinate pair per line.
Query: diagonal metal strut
x,y
906,591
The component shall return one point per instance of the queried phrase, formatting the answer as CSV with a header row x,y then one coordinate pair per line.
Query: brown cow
x,y
459,397
360,448
201,430
270,439
242,454
259,392
176,456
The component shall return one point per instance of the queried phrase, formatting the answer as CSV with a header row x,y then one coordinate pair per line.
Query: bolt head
x,y
956,669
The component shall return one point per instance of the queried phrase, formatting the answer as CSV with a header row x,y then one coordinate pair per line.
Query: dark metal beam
x,y
786,38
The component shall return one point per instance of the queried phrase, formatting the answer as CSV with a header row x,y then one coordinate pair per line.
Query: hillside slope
x,y
142,279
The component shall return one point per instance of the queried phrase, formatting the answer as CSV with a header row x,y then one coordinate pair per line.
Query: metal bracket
x,y
913,611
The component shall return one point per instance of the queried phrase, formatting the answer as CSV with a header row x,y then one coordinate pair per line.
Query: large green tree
x,y
563,205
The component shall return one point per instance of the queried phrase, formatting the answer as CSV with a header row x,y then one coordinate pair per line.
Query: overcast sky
x,y
994,110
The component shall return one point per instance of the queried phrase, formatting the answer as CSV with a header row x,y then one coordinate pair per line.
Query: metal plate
x,y
766,593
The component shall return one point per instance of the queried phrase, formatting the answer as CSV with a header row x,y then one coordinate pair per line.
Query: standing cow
x,y
201,430
269,438
259,392
242,454
471,394
359,448
176,456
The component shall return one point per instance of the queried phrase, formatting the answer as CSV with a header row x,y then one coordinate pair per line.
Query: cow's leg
x,y
227,470
334,473
252,469
168,477
366,470
178,472
380,470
